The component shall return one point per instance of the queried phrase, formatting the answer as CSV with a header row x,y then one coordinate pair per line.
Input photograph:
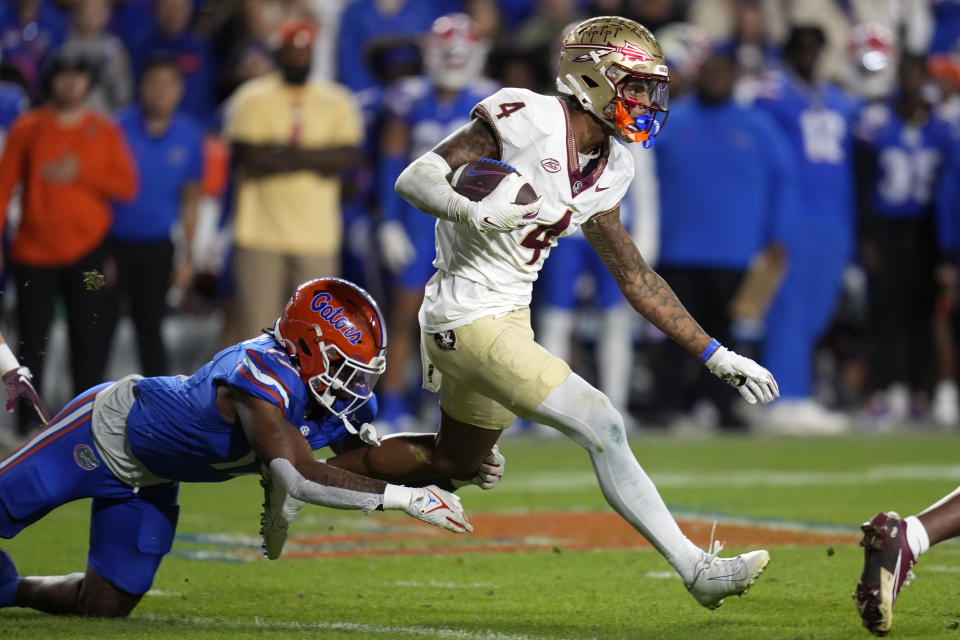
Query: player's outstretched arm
x,y
279,446
649,294
424,183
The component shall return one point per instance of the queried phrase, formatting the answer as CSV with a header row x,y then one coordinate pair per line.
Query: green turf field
x,y
214,585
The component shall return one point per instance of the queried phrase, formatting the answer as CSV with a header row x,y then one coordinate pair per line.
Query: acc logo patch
x,y
550,164
85,458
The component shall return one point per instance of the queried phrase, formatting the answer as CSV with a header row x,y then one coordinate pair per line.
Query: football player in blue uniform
x,y
421,111
263,403
816,118
905,148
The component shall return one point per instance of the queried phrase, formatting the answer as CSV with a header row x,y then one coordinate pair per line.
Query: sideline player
x,y
266,401
892,546
475,317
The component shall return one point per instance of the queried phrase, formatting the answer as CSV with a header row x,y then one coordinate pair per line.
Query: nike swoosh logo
x,y
599,188
739,575
488,221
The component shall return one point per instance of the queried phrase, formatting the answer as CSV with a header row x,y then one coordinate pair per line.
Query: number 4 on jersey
x,y
549,231
506,108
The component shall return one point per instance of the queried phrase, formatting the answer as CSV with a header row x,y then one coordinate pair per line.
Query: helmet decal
x,y
614,68
334,317
335,334
630,52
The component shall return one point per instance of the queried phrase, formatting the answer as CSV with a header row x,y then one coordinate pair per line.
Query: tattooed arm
x,y
641,285
472,141
277,443
424,183
281,448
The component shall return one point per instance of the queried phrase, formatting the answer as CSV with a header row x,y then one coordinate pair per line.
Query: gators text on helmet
x,y
335,333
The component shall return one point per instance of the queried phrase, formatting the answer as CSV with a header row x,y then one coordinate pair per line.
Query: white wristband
x,y
396,496
8,361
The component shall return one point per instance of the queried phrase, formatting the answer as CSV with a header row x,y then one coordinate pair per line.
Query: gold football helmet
x,y
610,65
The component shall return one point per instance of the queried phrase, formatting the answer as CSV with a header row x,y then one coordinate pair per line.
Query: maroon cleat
x,y
887,561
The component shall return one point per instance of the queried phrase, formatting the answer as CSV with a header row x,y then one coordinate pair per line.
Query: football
x,y
475,180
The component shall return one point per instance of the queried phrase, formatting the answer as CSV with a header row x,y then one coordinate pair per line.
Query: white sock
x,y
916,536
585,415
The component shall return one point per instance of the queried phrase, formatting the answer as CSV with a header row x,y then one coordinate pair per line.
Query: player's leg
x,y
892,546
941,520
471,420
128,538
58,465
492,368
417,459
585,415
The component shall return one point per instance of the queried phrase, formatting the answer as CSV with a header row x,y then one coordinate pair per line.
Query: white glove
x,y
430,504
497,212
395,246
489,473
754,383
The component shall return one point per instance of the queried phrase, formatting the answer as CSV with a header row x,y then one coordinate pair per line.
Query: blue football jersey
x,y
909,158
818,123
177,432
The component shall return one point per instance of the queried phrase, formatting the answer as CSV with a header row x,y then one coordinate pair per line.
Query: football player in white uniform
x,y
475,319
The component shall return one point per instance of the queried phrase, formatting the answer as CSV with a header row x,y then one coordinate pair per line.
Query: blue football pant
x,y
130,531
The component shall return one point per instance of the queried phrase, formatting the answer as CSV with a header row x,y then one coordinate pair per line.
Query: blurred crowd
x,y
173,159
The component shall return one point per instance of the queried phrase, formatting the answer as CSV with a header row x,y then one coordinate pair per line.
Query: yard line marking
x,y
550,482
210,556
661,575
444,585
939,568
359,627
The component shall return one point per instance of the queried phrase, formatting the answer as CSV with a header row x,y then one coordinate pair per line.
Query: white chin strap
x,y
571,87
368,432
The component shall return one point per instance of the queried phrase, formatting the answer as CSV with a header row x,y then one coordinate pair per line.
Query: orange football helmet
x,y
334,332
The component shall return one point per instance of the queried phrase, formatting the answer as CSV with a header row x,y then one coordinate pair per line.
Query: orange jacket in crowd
x,y
63,219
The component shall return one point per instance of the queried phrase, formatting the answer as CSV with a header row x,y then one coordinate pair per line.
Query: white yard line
x,y
554,482
437,584
267,624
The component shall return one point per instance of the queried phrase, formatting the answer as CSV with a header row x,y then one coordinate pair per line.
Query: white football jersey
x,y
481,274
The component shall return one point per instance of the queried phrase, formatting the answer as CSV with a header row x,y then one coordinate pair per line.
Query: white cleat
x,y
716,578
279,510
